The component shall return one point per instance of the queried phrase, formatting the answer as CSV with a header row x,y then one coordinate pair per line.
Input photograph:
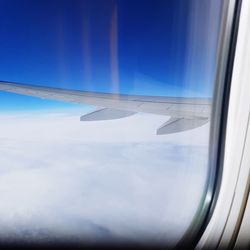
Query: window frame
x,y
218,129
232,203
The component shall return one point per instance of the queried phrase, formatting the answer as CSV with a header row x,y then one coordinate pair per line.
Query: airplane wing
x,y
185,113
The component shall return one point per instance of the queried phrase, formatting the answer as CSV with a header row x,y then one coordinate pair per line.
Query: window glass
x,y
138,179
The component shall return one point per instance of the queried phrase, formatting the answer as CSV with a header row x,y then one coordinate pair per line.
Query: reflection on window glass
x,y
136,170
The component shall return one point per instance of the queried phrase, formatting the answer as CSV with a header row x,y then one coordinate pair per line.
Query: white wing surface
x,y
186,113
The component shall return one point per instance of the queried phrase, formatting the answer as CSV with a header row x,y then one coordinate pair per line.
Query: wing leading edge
x,y
185,113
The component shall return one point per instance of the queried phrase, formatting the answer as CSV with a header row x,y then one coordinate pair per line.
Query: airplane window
x,y
105,116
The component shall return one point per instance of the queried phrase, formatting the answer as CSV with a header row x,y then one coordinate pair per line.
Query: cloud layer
x,y
98,181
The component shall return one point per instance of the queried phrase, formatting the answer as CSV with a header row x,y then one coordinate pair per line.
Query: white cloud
x,y
62,178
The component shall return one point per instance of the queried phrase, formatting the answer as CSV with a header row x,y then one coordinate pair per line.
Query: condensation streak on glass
x,y
138,179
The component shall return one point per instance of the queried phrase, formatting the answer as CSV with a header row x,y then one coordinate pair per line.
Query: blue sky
x,y
146,47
